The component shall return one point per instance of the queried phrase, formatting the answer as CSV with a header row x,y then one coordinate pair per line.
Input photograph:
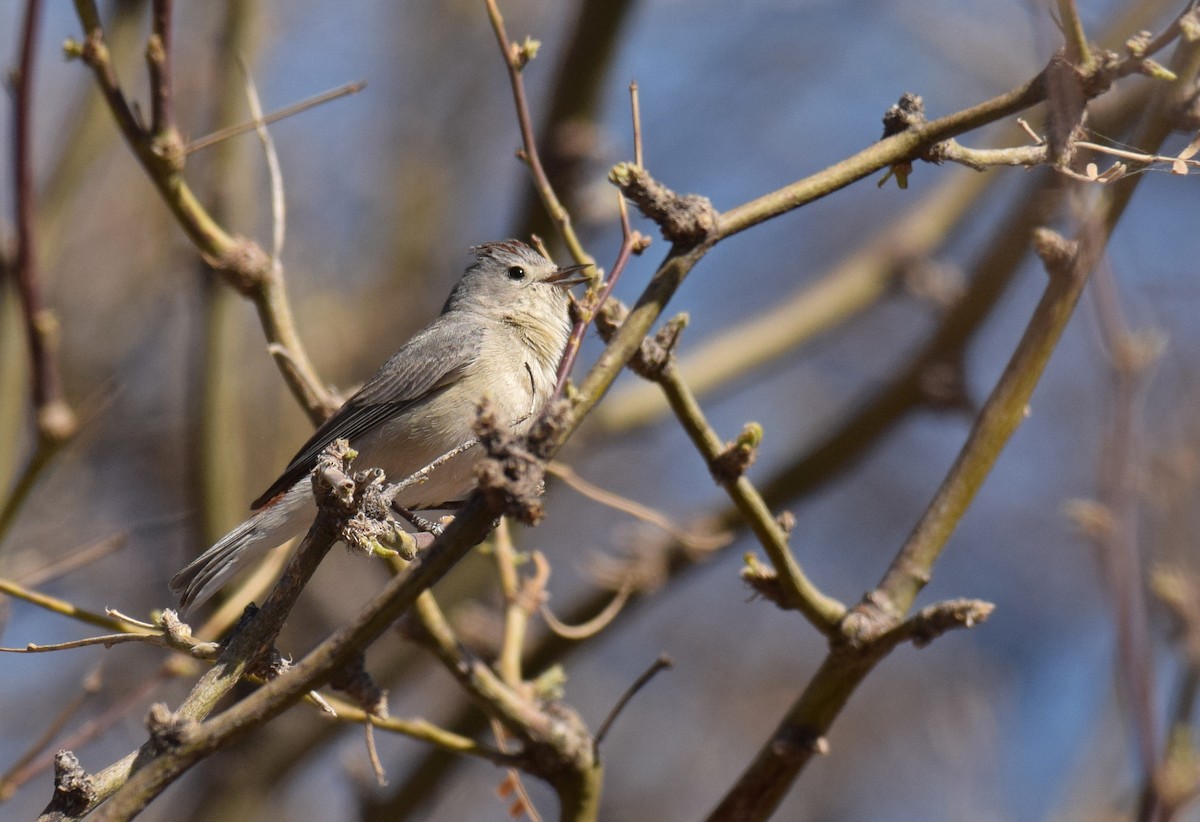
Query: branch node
x,y
74,792
738,455
764,581
868,620
353,680
942,382
168,146
521,54
511,475
655,353
905,113
786,521
372,530
72,49
56,422
684,219
929,623
169,730
92,51
244,266
1189,26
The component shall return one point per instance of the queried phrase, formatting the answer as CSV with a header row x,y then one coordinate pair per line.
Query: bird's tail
x,y
270,526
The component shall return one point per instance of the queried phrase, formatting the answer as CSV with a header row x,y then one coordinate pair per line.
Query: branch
x,y
850,287
800,734
516,57
656,362
55,421
240,261
158,61
913,141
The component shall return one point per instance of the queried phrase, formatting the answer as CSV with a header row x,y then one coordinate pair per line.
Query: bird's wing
x,y
430,361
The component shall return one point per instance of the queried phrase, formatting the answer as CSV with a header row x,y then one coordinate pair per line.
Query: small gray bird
x,y
500,336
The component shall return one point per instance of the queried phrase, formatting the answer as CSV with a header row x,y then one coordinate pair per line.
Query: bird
x,y
499,338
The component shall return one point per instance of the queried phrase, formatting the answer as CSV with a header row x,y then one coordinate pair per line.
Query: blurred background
x,y
1037,714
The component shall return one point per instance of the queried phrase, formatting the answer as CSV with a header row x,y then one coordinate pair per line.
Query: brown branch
x,y
595,301
569,133
1079,52
225,133
516,58
663,663
55,421
1119,555
824,612
158,61
913,141
876,418
241,262
762,786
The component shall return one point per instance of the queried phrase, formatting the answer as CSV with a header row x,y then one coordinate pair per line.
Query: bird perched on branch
x,y
500,337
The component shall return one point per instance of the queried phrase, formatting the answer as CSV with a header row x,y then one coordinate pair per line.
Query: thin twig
x,y
594,625
824,612
516,618
107,641
588,310
274,116
692,540
1078,50
278,203
421,730
241,262
515,59
55,421
158,60
636,110
661,664
420,475
1119,554
62,607
373,756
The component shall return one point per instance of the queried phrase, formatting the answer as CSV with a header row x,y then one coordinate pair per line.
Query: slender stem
x,y
242,263
1119,546
275,116
761,787
1078,50
822,611
64,608
158,60
422,730
558,214
1008,404
516,618
661,664
575,341
636,112
55,420
852,285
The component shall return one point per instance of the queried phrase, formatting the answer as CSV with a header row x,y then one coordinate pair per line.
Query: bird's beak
x,y
563,279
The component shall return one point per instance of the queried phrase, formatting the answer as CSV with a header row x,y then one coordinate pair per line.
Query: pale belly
x,y
417,438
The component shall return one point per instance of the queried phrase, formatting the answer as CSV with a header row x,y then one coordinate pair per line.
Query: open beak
x,y
563,277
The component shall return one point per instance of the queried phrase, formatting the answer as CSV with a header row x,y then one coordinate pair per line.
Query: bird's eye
x,y
516,273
